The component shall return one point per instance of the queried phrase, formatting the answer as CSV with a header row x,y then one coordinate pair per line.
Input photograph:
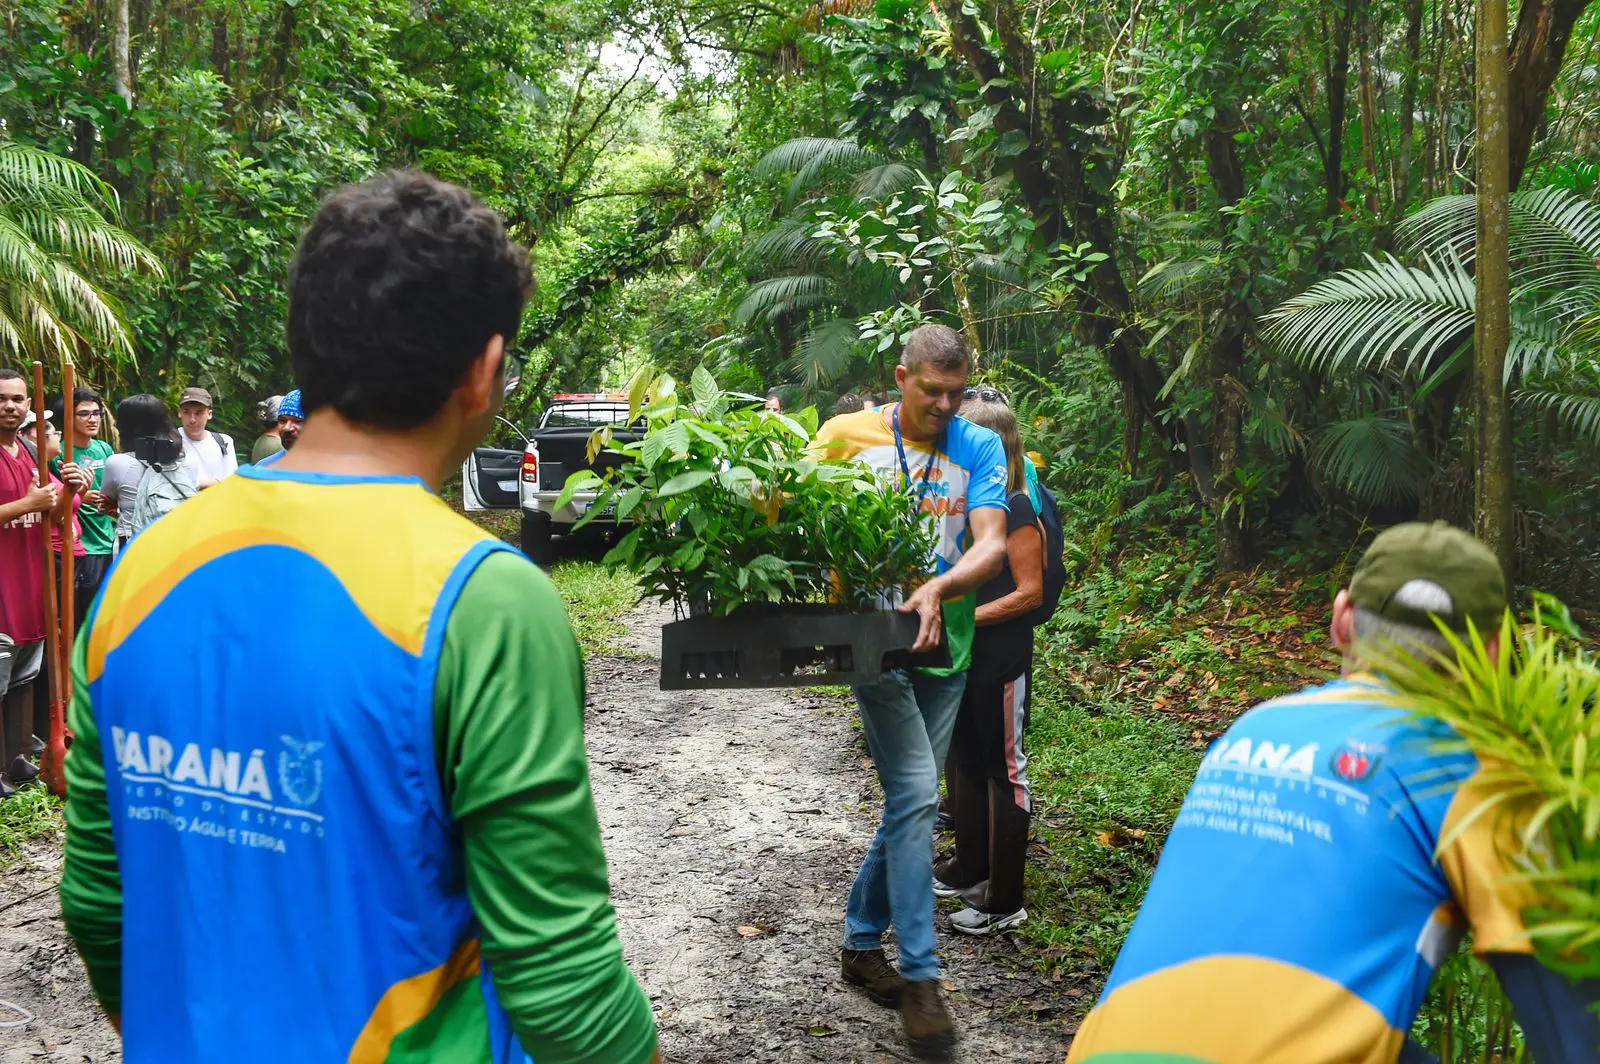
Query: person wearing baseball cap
x,y
210,455
1326,860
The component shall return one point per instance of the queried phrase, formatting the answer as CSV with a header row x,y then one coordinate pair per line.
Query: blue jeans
x,y
907,719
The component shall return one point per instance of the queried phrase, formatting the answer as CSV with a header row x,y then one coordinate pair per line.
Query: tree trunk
x,y
121,58
219,45
1537,49
1492,504
1235,551
1338,84
1369,110
1028,166
1408,111
82,34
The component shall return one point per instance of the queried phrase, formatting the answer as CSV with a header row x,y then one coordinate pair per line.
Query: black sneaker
x,y
870,970
36,747
22,770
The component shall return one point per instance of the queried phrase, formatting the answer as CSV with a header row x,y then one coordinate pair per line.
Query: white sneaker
x,y
972,895
974,922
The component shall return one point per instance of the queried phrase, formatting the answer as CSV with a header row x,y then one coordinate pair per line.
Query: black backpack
x,y
222,441
1055,561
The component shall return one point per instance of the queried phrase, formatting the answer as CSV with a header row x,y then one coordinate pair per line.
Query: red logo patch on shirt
x,y
1353,763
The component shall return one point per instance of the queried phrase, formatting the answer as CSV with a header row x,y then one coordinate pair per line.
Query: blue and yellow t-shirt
x,y
968,472
1298,911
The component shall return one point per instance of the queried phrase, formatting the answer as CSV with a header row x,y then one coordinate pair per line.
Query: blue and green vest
x,y
286,855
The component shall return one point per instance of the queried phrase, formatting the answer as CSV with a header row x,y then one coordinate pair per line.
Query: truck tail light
x,y
530,467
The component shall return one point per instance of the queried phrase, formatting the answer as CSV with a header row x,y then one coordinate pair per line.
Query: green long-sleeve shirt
x,y
508,739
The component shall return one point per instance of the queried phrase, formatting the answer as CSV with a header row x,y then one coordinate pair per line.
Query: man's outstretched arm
x,y
1557,1015
509,736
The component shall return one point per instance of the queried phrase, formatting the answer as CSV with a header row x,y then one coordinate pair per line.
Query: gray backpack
x,y
159,492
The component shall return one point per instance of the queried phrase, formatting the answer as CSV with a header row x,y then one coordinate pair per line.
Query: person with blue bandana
x,y
290,420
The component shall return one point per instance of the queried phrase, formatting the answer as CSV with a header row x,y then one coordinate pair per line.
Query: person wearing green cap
x,y
1303,899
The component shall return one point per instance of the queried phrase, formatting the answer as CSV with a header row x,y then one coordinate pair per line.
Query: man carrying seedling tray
x,y
958,471
1331,853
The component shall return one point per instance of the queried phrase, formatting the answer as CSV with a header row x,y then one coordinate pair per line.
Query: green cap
x,y
1403,572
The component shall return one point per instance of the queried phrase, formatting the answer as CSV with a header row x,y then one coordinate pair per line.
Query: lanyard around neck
x,y
905,468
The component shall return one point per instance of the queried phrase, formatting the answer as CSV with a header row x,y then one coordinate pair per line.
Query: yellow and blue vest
x,y
286,854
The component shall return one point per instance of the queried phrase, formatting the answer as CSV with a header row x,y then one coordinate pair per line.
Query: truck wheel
x,y
536,538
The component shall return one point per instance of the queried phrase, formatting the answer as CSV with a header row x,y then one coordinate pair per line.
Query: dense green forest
x,y
1221,256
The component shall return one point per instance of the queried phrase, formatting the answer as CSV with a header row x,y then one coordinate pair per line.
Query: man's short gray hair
x,y
938,346
1374,629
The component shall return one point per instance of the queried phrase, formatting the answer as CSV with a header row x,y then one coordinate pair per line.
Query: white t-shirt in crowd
x,y
206,460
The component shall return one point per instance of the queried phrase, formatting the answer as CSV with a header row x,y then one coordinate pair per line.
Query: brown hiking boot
x,y
871,971
928,1026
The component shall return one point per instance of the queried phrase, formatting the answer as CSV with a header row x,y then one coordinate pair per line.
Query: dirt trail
x,y
734,822
40,972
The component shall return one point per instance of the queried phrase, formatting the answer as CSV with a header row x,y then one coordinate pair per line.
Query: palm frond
x,y
812,158
1580,414
28,173
58,236
884,180
1273,424
790,244
1554,235
1177,278
824,353
1365,317
1404,319
777,295
78,233
1564,212
1372,459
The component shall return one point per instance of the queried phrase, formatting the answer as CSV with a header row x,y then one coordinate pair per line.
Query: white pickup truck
x,y
532,478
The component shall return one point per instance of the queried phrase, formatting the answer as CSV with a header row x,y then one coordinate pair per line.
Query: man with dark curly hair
x,y
402,861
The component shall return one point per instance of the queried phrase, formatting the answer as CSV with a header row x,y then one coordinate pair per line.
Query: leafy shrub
x,y
731,508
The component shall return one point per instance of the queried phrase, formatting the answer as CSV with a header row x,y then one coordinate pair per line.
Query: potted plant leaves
x,y
780,565
1530,715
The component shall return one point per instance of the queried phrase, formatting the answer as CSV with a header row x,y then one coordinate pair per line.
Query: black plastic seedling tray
x,y
790,646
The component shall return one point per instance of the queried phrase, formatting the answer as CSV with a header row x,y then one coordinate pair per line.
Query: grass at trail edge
x,y
31,813
596,600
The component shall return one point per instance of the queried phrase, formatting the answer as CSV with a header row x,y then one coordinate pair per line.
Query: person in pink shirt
x,y
26,508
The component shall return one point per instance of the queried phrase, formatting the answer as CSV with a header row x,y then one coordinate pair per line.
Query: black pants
x,y
18,704
89,574
986,774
